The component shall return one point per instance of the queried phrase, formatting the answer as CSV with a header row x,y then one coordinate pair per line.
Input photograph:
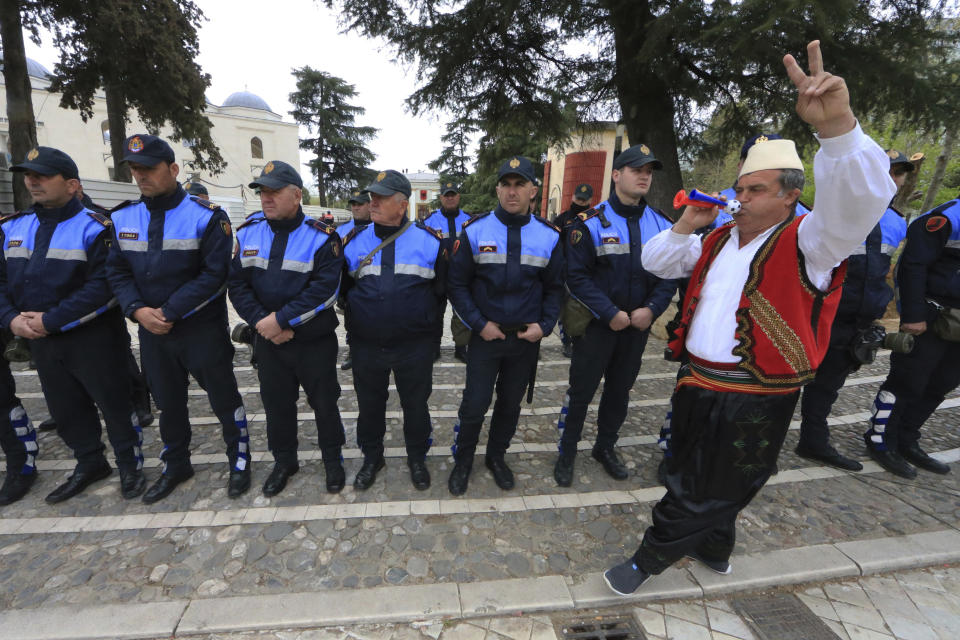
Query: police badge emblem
x,y
225,227
575,236
268,168
381,176
33,154
892,154
514,163
644,149
135,145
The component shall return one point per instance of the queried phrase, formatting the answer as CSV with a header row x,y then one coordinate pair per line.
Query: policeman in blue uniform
x,y
506,284
918,381
284,281
605,273
448,220
55,293
18,440
360,207
865,298
394,282
168,267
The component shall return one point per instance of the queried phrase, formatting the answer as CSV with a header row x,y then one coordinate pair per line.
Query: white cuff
x,y
849,142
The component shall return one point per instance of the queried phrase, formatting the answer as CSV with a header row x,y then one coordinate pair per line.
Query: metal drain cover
x,y
781,616
602,628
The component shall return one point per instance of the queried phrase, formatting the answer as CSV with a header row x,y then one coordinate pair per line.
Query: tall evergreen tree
x,y
142,54
663,66
454,160
322,104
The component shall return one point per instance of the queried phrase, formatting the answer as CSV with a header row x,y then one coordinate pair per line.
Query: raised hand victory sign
x,y
822,98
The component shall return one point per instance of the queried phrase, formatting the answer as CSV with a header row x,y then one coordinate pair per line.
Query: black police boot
x,y
625,578
47,425
460,353
892,462
336,477
502,474
914,454
563,469
607,457
368,473
348,362
239,481
132,483
419,474
15,486
79,481
828,456
459,478
278,477
166,483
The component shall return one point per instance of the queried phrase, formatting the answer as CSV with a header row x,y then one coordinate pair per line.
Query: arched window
x,y
105,131
256,147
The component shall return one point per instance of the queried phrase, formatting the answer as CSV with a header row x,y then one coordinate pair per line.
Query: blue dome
x,y
248,100
34,68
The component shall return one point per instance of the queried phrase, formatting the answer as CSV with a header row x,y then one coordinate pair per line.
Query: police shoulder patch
x,y
434,232
11,216
353,233
547,223
250,221
226,228
335,245
583,216
935,223
475,218
576,236
206,203
123,205
99,217
317,225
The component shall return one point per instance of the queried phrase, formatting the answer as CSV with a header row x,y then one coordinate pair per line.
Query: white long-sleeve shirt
x,y
853,191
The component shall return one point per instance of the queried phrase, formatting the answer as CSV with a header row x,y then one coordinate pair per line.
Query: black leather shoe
x,y
47,425
611,463
459,479
132,483
145,418
238,483
563,469
914,454
460,353
15,486
830,457
278,477
419,474
165,484
892,462
336,476
501,472
77,482
368,473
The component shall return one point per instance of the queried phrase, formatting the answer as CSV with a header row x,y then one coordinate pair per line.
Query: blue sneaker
x,y
625,578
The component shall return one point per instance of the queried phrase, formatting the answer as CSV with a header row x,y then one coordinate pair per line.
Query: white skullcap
x,y
771,154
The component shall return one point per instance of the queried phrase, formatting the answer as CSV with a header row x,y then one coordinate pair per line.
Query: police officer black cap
x,y
388,183
48,161
277,174
636,156
195,189
583,192
897,157
752,140
358,196
142,148
449,187
518,166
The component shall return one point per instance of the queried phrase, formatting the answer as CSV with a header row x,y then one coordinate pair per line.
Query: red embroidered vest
x,y
783,321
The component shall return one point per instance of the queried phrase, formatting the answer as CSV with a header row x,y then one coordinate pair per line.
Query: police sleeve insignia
x,y
335,249
575,236
935,223
225,227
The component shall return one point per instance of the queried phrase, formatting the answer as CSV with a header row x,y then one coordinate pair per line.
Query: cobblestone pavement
x,y
198,544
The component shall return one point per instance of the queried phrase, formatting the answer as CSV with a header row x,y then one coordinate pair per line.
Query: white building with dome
x,y
245,129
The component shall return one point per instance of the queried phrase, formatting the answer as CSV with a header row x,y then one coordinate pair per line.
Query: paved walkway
x,y
199,562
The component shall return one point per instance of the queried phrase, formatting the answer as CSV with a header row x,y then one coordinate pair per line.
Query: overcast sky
x,y
255,44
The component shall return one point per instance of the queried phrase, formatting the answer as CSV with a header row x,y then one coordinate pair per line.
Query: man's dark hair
x,y
791,179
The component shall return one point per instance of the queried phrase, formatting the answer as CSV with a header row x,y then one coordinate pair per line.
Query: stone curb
x,y
499,597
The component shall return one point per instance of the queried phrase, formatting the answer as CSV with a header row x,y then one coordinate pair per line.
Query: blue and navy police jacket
x,y
173,253
290,267
929,266
344,230
604,267
448,226
54,261
395,295
507,269
866,293
730,194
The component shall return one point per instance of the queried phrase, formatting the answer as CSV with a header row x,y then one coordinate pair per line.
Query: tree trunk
x,y
117,121
902,200
949,137
645,101
20,117
320,171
